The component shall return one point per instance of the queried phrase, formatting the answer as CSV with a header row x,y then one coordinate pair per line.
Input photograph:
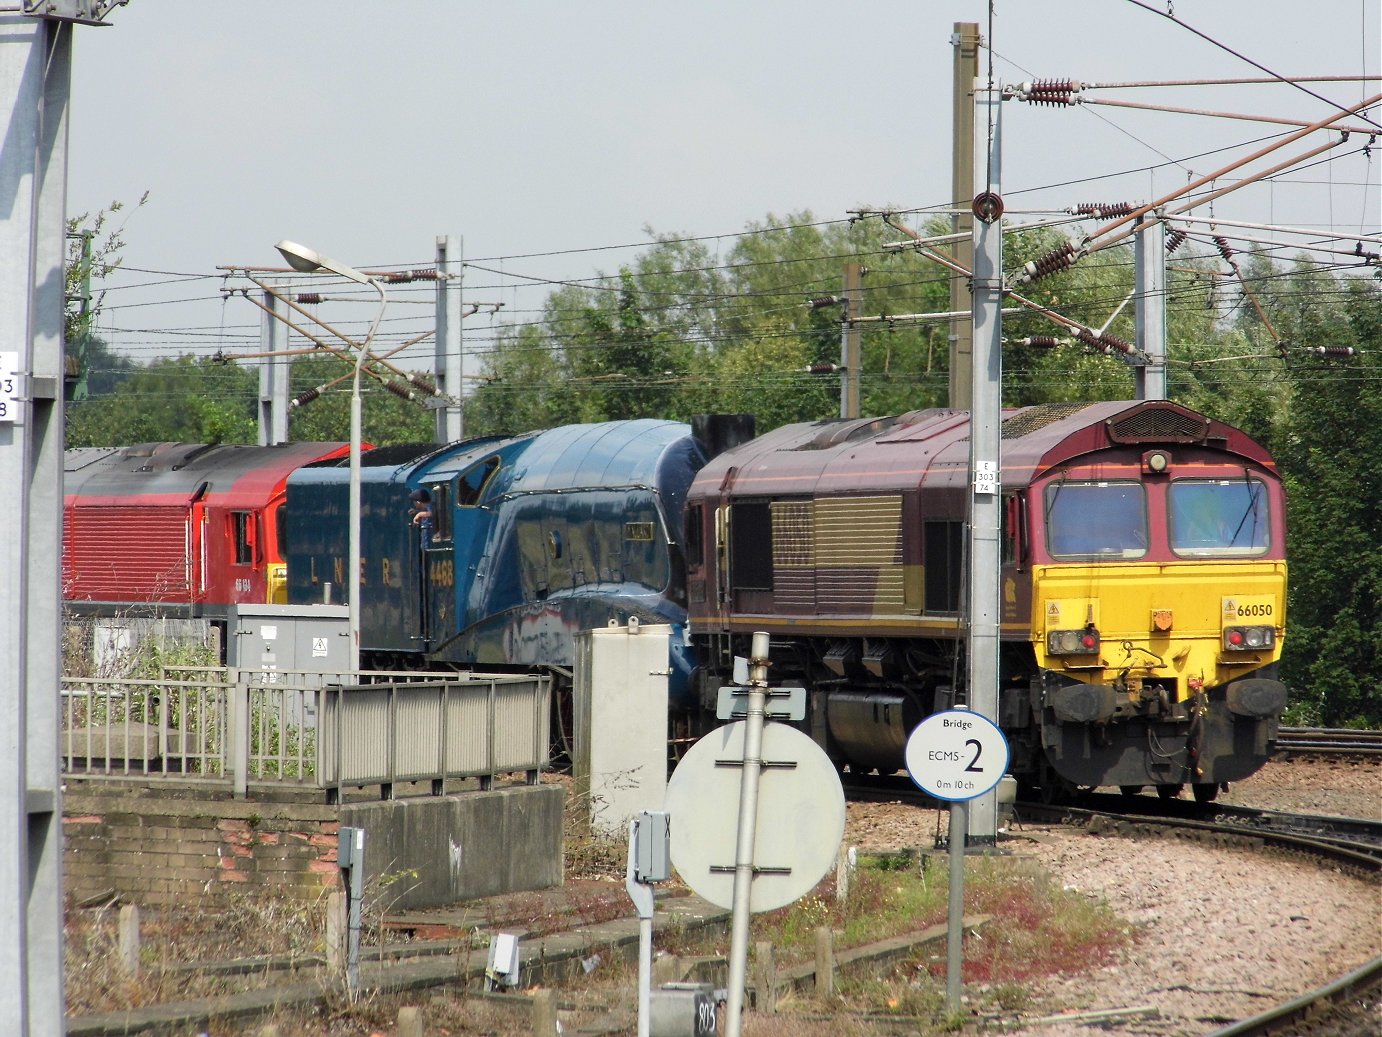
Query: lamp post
x,y
308,261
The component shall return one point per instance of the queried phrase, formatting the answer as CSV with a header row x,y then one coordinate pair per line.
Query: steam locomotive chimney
x,y
721,432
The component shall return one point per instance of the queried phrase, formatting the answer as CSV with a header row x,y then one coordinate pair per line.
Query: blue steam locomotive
x,y
530,539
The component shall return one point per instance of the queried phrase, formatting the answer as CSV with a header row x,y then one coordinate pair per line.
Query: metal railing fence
x,y
232,727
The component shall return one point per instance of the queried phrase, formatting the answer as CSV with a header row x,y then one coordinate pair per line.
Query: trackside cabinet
x,y
282,639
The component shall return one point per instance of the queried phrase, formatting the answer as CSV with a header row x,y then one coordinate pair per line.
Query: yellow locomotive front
x,y
1157,617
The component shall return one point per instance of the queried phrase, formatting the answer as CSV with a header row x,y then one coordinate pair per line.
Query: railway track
x,y
1348,1007
1328,741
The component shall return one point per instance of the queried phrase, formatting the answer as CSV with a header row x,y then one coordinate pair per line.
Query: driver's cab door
x,y
452,559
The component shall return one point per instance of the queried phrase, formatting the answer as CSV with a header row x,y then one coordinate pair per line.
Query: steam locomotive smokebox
x,y
289,638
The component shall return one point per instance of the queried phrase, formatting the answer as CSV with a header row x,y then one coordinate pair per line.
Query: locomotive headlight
x,y
1155,462
1249,639
1084,641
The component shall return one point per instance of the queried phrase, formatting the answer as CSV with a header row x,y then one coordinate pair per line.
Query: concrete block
x,y
464,846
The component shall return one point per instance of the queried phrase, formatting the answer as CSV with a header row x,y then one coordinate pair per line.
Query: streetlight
x,y
309,261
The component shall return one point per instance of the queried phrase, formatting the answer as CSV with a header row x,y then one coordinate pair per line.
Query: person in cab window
x,y
422,514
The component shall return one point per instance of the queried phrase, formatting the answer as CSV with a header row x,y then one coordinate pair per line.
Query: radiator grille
x,y
1034,419
859,554
126,554
1159,425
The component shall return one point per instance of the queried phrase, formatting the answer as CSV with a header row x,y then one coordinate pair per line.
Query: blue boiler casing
x,y
535,538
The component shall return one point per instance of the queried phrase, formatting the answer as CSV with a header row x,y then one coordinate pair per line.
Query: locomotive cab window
x,y
441,511
471,485
695,542
1096,519
280,514
751,545
1218,517
242,536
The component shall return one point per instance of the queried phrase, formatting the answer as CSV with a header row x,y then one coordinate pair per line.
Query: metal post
x,y
353,517
35,81
450,355
985,416
851,362
965,40
748,830
308,261
238,734
350,859
1150,267
642,896
955,907
273,375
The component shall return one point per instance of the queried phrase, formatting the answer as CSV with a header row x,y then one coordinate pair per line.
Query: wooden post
x,y
336,932
765,976
544,1013
410,1021
825,962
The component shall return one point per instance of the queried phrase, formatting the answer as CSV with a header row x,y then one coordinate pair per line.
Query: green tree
x,y
385,418
190,399
93,247
1332,657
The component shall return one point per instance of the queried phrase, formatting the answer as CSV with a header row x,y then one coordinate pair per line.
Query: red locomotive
x,y
177,530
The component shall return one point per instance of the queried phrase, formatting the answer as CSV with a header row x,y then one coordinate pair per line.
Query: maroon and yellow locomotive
x,y
1143,586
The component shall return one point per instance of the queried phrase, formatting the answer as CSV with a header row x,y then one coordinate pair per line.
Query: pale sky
x,y
529,128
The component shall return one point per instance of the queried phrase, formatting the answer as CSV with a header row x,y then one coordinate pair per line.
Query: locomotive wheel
x,y
1205,792
1168,791
1131,790
1055,790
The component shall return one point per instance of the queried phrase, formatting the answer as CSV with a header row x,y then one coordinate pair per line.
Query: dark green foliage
x,y
385,418
186,399
1333,654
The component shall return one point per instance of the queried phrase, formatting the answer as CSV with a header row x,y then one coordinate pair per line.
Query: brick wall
x,y
157,846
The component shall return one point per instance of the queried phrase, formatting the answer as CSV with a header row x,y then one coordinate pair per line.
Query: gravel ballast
x,y
1222,933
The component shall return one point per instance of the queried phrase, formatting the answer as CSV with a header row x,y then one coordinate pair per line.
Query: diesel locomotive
x,y
1143,587
177,530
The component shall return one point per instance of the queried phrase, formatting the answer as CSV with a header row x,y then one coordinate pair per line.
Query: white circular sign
x,y
800,818
957,754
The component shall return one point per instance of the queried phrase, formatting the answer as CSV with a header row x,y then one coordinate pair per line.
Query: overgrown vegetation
x,y
1036,930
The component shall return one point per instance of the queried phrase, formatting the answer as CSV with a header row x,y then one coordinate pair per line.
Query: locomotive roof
x,y
932,446
176,473
611,453
568,457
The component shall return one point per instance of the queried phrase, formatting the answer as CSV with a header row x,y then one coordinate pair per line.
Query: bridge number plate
x,y
986,477
957,755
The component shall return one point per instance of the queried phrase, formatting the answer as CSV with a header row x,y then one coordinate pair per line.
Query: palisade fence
x,y
229,727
